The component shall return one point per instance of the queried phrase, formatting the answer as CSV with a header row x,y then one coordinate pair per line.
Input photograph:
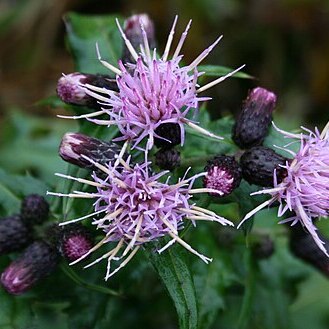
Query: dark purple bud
x,y
169,135
34,209
259,163
133,31
70,88
14,234
167,159
75,241
252,124
75,147
303,246
37,261
262,247
223,174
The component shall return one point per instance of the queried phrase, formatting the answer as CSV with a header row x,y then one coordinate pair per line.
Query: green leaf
x,y
84,31
218,71
175,274
30,145
14,187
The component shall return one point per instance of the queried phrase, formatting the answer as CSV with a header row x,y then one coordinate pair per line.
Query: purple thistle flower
x,y
134,34
223,175
152,91
136,208
305,189
70,88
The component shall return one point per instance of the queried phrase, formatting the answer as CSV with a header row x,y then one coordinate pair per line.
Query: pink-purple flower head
x,y
133,207
305,189
152,90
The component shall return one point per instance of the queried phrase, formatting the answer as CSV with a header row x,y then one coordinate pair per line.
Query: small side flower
x,y
304,190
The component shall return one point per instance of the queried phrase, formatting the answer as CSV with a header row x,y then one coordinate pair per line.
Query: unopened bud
x,y
34,209
303,246
169,135
259,164
133,31
253,122
262,247
37,261
75,148
223,174
14,234
71,90
74,241
167,159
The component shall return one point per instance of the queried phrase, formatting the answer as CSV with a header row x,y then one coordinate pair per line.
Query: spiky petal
x,y
153,91
134,208
305,189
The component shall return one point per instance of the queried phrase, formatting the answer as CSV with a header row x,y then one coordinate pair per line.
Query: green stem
x,y
74,277
247,302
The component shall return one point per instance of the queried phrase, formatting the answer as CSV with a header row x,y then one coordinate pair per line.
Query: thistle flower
x,y
305,189
14,234
37,261
134,34
34,209
167,159
136,208
74,241
254,120
70,88
152,91
75,147
223,175
259,163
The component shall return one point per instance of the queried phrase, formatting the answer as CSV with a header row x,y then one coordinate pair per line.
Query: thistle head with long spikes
x,y
304,190
132,207
152,90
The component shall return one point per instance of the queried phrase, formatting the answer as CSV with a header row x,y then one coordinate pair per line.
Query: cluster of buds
x,y
41,255
299,183
16,232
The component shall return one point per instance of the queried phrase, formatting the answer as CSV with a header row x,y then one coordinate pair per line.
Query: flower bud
x,y
34,209
14,234
167,159
262,247
74,241
303,246
70,88
258,165
75,146
169,135
223,174
37,261
252,124
133,31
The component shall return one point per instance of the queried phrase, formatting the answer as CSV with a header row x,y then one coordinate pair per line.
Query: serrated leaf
x,y
84,31
175,274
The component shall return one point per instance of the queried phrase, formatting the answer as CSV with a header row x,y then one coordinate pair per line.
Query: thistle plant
x,y
152,189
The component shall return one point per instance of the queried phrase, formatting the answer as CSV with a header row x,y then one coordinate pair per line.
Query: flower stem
x,y
78,280
244,315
